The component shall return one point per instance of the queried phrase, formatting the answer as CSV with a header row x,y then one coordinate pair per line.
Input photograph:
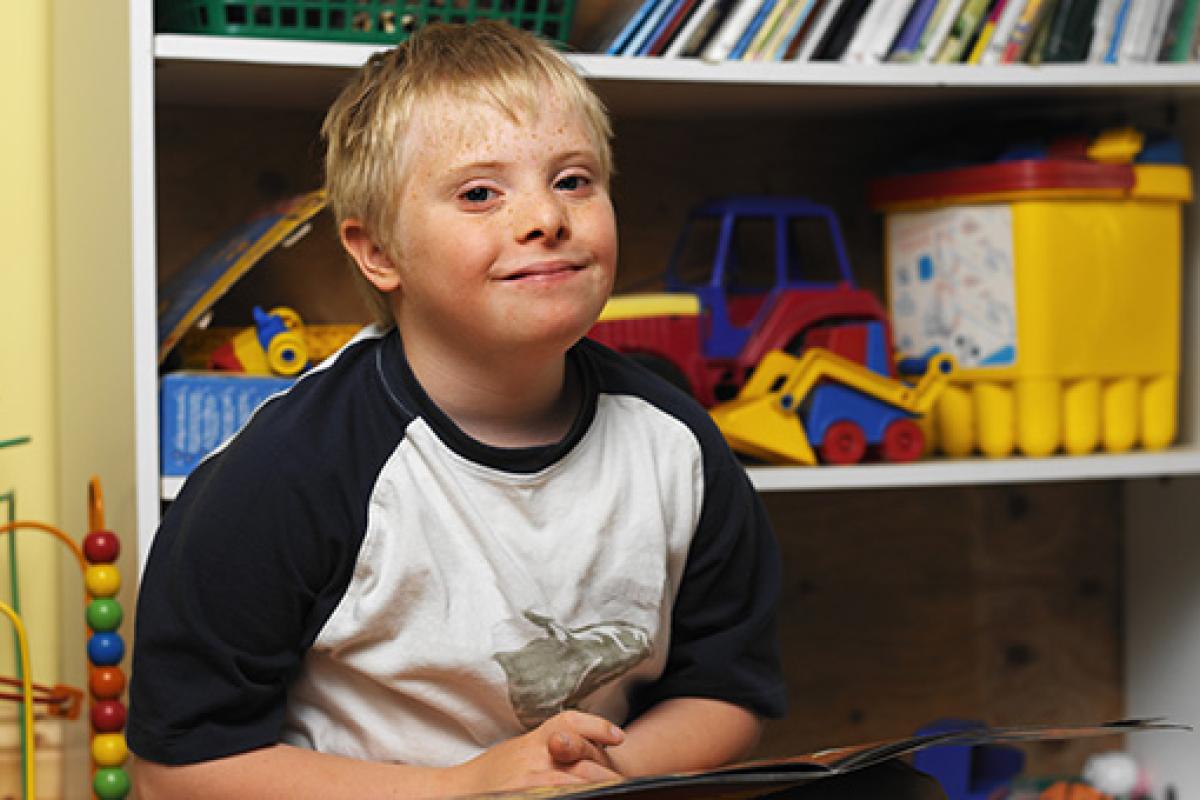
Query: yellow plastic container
x,y
1056,286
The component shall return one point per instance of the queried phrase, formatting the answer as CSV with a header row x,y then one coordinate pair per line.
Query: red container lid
x,y
1009,176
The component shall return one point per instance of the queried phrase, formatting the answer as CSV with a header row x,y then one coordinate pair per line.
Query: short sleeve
x,y
724,642
237,585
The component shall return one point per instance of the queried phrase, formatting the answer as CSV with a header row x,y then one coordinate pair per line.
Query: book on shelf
x,y
1140,24
730,30
876,31
985,32
797,28
625,34
1003,30
1102,28
669,26
756,22
938,29
963,32
816,34
905,47
769,29
1022,36
774,43
695,28
841,28
1181,32
1119,26
638,43
1070,31
1041,35
760,779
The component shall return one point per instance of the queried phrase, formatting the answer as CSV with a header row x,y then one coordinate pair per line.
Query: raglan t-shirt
x,y
352,573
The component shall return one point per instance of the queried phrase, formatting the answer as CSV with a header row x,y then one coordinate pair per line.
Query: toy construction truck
x,y
781,304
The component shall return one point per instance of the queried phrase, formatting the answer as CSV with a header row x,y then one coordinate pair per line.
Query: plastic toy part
x,y
777,270
274,346
101,547
111,783
104,614
108,716
105,649
102,580
826,400
106,683
968,772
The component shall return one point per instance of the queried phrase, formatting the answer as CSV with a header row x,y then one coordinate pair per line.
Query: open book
x,y
756,778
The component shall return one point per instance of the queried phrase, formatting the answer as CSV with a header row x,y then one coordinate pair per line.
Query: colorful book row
x,y
913,31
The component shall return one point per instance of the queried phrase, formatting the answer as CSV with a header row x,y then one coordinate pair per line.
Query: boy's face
x,y
505,236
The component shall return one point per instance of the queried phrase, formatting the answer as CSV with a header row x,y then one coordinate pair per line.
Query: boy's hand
x,y
567,748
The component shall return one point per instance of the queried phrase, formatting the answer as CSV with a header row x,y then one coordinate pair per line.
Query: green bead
x,y
104,614
111,783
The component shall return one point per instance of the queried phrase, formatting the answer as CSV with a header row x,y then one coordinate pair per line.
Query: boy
x,y
456,556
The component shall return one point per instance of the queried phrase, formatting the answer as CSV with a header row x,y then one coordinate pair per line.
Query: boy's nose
x,y
543,217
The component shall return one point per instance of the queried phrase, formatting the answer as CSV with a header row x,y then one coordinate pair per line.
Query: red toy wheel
x,y
902,441
845,443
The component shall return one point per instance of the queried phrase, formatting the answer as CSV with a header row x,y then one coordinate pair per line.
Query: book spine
x,y
1022,35
672,27
855,52
940,30
769,28
726,37
841,30
1004,28
623,37
1139,27
1118,32
778,47
691,29
821,27
639,40
889,29
963,30
1102,25
756,22
647,46
910,35
985,33
1185,32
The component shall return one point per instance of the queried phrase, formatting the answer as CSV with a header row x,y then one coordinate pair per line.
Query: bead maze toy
x,y
105,648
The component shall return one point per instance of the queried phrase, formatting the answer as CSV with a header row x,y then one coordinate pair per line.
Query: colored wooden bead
x,y
109,749
106,649
104,614
106,682
102,580
101,547
108,716
111,783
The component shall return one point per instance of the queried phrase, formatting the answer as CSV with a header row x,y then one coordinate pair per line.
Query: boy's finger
x,y
594,728
592,772
565,748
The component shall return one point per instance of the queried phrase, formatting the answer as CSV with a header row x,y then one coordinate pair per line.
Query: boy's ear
x,y
372,261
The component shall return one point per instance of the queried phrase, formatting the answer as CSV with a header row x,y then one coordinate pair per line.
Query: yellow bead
x,y
109,749
102,580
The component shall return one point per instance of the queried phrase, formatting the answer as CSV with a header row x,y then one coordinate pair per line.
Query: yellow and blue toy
x,y
274,346
1053,277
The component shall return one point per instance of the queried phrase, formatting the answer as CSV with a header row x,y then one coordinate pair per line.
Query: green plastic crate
x,y
386,21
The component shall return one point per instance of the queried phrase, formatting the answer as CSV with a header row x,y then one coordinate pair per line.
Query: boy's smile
x,y
505,239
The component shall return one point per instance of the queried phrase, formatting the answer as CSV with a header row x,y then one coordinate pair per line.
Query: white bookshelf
x,y
195,70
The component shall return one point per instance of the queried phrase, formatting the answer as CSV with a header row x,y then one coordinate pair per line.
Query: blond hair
x,y
487,61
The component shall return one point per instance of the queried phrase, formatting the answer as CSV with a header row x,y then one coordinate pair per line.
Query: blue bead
x,y
105,649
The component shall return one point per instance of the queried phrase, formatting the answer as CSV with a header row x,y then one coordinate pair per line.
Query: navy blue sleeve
x,y
724,643
247,566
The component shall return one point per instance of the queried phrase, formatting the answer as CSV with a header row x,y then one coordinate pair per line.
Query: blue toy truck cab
x,y
756,267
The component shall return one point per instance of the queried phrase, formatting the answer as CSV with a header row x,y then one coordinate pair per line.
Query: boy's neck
x,y
502,402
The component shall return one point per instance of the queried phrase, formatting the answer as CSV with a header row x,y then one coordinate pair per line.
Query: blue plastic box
x,y
200,410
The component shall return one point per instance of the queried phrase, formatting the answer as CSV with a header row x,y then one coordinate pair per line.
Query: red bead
x,y
106,682
101,547
108,716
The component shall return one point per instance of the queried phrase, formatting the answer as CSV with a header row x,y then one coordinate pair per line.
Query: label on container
x,y
951,284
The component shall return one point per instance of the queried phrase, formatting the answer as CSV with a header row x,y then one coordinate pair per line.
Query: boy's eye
x,y
571,183
477,194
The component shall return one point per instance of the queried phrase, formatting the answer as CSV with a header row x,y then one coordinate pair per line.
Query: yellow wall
x,y
27,326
